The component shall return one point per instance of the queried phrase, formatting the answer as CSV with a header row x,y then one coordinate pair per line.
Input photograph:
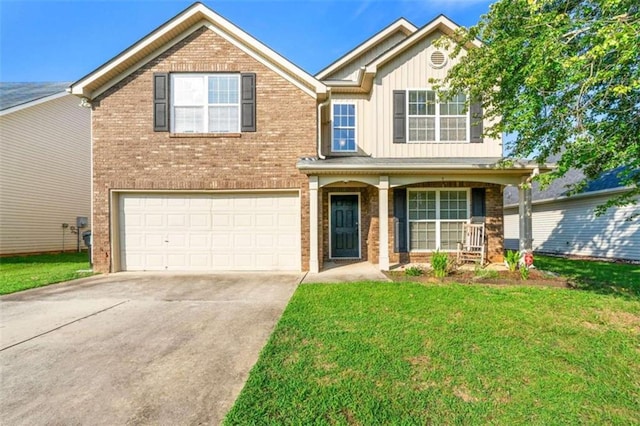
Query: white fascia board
x,y
440,21
247,40
33,103
397,25
213,21
610,191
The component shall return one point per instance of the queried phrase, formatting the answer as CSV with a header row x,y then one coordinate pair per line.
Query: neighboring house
x,y
565,224
211,151
45,162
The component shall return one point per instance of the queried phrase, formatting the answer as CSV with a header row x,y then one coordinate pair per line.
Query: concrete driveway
x,y
132,348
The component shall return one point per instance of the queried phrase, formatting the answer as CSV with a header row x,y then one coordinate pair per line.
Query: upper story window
x,y
205,103
344,127
434,120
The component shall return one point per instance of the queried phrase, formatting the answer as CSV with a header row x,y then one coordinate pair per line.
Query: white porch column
x,y
383,222
314,265
524,211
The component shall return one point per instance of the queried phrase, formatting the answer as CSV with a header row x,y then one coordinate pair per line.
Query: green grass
x,y
600,277
23,272
410,354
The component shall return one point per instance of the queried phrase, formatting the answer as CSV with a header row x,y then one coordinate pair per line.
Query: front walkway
x,y
335,272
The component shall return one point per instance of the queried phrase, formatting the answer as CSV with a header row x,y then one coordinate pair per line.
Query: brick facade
x,y
129,155
369,222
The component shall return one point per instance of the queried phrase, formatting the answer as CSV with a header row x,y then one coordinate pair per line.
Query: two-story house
x,y
213,152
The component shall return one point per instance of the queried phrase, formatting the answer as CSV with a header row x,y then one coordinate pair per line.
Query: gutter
x,y
581,195
320,106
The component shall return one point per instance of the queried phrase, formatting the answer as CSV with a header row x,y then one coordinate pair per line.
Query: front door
x,y
344,226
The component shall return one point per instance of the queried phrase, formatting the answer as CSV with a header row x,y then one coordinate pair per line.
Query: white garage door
x,y
206,232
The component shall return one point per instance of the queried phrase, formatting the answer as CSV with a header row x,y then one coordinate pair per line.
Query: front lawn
x,y
601,277
411,354
23,272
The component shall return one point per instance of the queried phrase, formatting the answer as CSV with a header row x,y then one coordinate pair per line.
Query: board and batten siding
x,y
374,126
45,175
349,71
569,226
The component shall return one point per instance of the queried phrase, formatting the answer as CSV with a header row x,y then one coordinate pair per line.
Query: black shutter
x,y
478,203
400,220
476,122
161,102
399,116
248,102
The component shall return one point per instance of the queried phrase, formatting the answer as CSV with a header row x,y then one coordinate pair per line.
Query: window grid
x,y
432,121
205,103
436,217
344,127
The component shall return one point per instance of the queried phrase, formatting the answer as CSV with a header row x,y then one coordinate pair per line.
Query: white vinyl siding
x,y
205,103
208,232
436,217
570,226
45,175
374,123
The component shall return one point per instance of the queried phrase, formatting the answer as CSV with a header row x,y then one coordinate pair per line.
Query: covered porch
x,y
423,203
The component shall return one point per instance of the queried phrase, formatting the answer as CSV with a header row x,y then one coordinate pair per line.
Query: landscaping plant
x,y
524,272
413,271
512,257
440,264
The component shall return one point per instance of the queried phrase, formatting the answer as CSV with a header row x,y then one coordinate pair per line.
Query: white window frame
x,y
438,221
205,105
436,117
355,125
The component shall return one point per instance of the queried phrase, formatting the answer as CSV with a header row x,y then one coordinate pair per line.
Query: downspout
x,y
320,106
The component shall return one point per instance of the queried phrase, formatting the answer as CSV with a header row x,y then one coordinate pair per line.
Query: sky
x,y
65,40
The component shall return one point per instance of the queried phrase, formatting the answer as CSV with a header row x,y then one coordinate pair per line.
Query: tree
x,y
562,76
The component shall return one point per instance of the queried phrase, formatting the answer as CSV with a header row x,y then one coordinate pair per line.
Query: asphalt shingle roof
x,y
14,94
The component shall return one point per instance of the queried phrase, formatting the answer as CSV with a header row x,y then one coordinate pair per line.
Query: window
x,y
436,218
344,128
431,120
205,103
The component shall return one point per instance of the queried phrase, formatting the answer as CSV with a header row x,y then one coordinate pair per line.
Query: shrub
x,y
524,272
440,264
413,271
512,258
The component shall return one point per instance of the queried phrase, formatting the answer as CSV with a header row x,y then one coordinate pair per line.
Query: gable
x,y
346,67
173,32
361,79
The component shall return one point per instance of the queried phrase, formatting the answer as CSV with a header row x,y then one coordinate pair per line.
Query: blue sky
x,y
64,40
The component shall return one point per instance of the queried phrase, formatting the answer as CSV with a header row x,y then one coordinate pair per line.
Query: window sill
x,y
438,142
205,135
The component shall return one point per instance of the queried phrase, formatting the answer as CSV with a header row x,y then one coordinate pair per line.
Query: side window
x,y
344,128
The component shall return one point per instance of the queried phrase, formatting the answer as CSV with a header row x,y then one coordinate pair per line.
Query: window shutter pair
x,y
400,118
401,222
161,102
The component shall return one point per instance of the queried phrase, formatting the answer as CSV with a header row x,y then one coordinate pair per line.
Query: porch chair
x,y
472,249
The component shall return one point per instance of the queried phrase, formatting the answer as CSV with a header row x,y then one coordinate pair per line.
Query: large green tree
x,y
563,77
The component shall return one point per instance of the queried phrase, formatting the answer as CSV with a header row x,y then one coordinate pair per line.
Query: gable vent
x,y
437,59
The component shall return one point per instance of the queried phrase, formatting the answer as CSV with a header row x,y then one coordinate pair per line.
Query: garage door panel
x,y
210,231
154,220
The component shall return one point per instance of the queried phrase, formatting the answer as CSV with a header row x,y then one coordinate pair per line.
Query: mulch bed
x,y
536,278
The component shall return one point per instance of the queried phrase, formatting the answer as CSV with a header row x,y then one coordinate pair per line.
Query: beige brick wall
x,y
128,154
